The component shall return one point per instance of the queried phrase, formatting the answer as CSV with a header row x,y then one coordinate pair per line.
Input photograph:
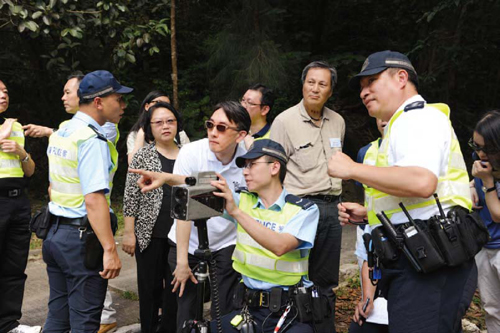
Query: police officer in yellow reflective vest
x,y
15,213
80,171
418,156
275,231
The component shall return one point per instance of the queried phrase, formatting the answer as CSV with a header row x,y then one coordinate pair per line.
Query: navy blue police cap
x,y
100,83
379,62
260,148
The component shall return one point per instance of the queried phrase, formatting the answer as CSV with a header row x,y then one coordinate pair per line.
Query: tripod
x,y
198,324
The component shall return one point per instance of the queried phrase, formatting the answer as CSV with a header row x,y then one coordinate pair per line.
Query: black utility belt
x,y
310,303
76,222
431,244
12,193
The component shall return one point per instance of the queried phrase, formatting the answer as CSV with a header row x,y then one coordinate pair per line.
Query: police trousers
x,y
76,293
15,214
431,303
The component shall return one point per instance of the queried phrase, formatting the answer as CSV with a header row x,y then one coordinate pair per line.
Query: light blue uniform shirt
x,y
94,164
302,226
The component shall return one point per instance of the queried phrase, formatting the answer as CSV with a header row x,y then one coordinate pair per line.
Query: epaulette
x,y
301,202
414,106
240,189
99,135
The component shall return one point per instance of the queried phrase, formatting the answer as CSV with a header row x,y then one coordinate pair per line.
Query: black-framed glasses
x,y
248,165
474,146
244,101
220,127
159,123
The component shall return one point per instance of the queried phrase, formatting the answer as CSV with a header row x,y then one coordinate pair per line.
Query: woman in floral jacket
x,y
148,221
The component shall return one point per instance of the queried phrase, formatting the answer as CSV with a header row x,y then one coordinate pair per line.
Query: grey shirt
x,y
309,148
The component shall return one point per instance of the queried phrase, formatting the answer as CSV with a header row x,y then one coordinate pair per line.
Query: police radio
x,y
195,200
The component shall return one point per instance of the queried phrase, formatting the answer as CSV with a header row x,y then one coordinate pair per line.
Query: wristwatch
x,y
486,190
26,159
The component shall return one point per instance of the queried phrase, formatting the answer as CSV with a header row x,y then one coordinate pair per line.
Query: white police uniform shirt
x,y
94,164
195,157
420,138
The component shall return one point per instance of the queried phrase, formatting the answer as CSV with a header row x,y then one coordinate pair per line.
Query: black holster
x,y
312,306
385,250
93,248
422,247
40,222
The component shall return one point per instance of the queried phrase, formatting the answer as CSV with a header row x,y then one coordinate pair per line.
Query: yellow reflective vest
x,y
370,158
114,158
65,184
10,164
253,260
452,187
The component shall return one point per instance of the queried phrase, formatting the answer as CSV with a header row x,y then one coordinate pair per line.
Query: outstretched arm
x,y
151,180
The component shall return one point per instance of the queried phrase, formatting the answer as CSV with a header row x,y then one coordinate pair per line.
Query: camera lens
x,y
179,212
181,195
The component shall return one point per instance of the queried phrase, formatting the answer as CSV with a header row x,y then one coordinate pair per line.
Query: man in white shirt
x,y
226,128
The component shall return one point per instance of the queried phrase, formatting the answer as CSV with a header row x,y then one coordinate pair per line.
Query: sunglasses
x,y
477,147
220,127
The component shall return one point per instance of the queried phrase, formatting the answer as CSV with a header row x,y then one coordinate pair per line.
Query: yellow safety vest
x,y
66,190
253,260
452,187
10,164
114,158
370,159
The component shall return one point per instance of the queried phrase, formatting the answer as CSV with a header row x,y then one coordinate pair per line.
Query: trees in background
x,y
222,47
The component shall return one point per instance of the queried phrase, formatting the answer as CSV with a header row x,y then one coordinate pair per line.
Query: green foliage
x,y
70,27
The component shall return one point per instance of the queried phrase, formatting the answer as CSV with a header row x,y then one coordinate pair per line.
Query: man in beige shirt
x,y
310,134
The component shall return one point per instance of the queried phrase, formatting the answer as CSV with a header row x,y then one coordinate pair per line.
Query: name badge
x,y
335,143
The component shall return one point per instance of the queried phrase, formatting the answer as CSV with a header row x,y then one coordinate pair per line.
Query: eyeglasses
x,y
484,149
250,164
244,101
160,123
220,127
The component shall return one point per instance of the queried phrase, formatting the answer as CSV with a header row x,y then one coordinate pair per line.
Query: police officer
x,y
275,232
81,166
71,101
15,165
411,165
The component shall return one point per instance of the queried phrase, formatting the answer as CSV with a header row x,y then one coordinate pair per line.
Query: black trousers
x,y
15,215
227,279
324,260
433,303
154,279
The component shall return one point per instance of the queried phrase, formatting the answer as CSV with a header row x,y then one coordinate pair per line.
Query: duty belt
x,y
77,222
264,299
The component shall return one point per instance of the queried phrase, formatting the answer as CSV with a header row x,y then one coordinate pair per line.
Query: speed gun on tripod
x,y
195,200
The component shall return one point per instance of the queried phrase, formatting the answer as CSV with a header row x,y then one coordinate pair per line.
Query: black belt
x,y
323,197
12,193
262,299
76,222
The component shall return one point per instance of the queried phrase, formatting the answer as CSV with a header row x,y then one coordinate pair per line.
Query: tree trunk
x,y
173,46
